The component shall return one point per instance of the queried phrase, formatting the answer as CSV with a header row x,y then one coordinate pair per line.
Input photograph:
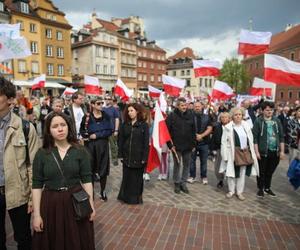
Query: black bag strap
x,y
59,167
26,129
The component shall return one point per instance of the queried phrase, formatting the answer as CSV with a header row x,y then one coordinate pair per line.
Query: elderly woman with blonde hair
x,y
236,144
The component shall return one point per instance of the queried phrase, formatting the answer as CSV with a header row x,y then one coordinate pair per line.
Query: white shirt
x,y
242,135
78,114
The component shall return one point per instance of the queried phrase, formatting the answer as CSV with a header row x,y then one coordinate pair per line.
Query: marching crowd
x,y
81,137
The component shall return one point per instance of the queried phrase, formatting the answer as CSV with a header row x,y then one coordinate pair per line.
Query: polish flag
x,y
160,136
69,91
254,42
162,103
206,68
122,90
92,86
154,92
261,88
221,91
280,70
39,82
172,85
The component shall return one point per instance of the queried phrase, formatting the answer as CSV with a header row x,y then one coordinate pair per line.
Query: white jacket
x,y
227,150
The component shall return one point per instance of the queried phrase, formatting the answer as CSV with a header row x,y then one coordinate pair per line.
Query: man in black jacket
x,y
182,130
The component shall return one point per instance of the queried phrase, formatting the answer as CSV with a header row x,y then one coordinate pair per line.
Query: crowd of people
x,y
82,137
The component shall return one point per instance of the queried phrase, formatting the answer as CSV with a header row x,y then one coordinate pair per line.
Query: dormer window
x,y
24,7
1,6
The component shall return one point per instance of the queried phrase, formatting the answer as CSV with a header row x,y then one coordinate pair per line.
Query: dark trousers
x,y
20,220
202,151
267,167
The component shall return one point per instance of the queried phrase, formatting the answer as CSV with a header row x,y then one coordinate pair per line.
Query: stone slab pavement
x,y
203,219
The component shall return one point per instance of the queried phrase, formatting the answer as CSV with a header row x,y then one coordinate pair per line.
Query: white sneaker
x,y
146,177
160,176
191,180
204,181
164,177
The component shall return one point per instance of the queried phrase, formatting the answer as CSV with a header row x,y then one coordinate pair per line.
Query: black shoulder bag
x,y
80,199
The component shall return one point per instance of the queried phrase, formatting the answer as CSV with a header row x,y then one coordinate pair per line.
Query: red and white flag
x,y
254,42
92,86
172,85
163,103
154,92
39,82
206,68
281,70
261,88
160,136
221,91
69,91
122,90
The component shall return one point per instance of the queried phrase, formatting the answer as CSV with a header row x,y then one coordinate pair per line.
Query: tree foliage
x,y
235,74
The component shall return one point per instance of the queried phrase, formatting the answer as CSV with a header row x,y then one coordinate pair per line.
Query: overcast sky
x,y
210,27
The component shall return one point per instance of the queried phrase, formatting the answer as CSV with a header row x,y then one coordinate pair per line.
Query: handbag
x,y
242,157
80,199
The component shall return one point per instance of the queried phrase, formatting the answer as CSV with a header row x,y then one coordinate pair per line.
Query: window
x,y
152,66
50,69
159,78
281,95
256,65
105,72
6,64
144,77
53,18
124,73
34,47
105,52
139,53
49,50
98,69
290,94
35,67
174,73
112,53
24,7
21,24
292,56
1,6
59,36
22,66
60,70
188,72
32,28
152,78
250,66
188,82
112,69
75,54
144,65
140,64
60,52
182,72
48,33
99,51
205,83
140,77
299,95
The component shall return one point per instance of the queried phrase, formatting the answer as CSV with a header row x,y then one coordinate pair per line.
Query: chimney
x,y
288,27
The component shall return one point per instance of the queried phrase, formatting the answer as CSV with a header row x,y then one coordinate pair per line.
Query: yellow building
x,y
48,35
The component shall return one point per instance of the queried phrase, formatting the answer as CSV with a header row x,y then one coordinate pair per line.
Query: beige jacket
x,y
18,176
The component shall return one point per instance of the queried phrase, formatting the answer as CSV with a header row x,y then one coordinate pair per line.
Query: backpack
x,y
26,129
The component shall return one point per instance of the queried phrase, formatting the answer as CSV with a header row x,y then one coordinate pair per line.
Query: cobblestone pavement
x,y
204,219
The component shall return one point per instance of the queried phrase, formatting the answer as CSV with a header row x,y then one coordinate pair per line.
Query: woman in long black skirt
x,y
96,128
133,150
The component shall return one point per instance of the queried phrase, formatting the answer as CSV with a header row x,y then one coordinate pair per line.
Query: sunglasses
x,y
98,103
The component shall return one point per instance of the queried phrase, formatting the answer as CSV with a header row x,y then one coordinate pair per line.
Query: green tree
x,y
235,74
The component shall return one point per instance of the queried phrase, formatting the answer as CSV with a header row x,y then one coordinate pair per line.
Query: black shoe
x,y
260,193
103,196
270,192
220,184
177,188
184,189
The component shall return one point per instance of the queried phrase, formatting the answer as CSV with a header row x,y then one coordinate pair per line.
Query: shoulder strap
x,y
26,129
58,166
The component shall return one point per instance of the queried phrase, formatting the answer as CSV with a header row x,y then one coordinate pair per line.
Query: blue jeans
x,y
202,151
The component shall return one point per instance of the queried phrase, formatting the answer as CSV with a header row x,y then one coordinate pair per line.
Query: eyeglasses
x,y
98,103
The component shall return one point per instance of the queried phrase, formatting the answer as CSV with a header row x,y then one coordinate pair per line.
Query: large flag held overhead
x,y
254,42
281,70
261,88
206,68
154,92
91,85
160,136
39,82
221,91
69,91
122,90
172,85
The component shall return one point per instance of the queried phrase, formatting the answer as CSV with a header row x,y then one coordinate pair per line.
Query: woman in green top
x,y
54,222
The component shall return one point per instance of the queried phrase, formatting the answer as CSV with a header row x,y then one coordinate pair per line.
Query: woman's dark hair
x,y
139,109
7,88
266,104
48,141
